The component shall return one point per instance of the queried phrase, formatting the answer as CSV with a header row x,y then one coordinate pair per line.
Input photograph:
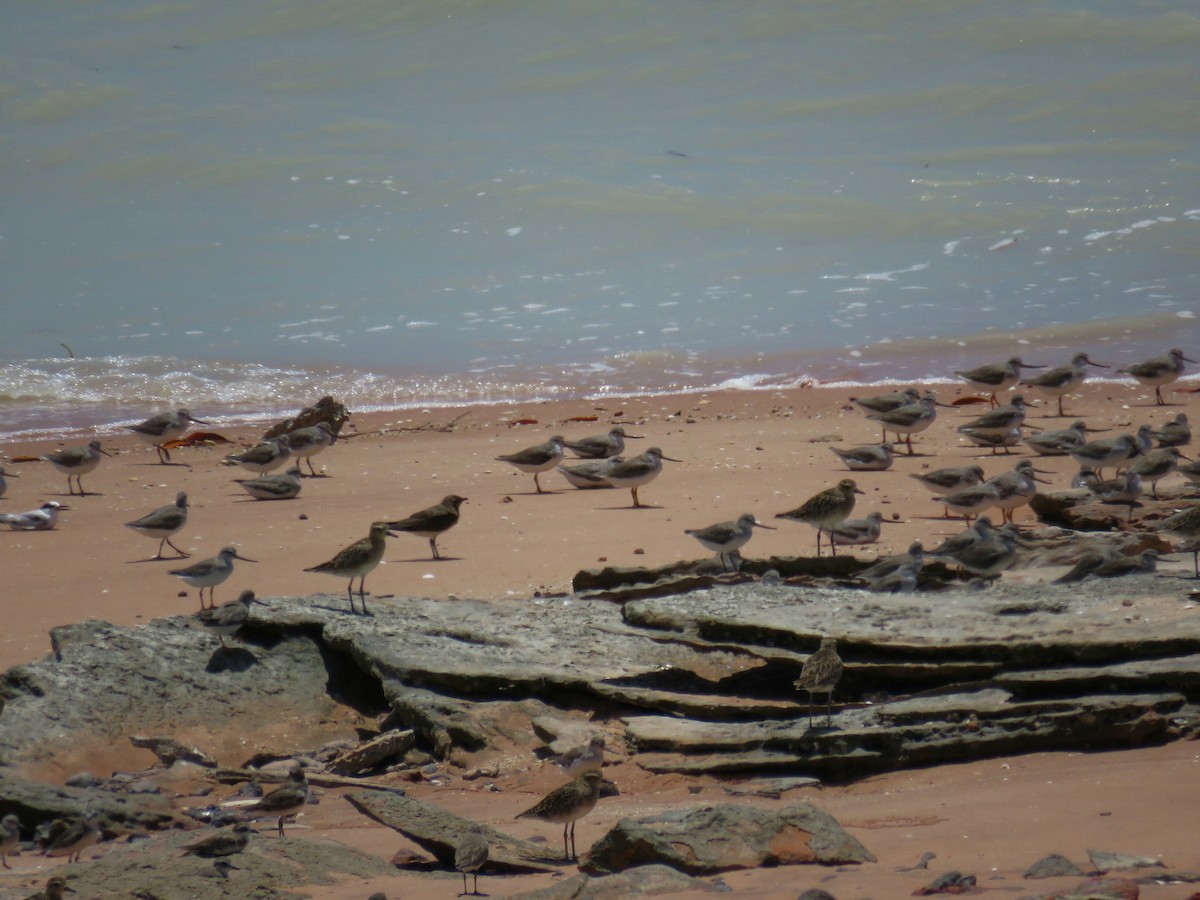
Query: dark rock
x,y
710,839
1052,866
816,894
644,881
949,883
1102,888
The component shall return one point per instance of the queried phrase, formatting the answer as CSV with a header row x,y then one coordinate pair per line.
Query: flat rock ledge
x,y
695,683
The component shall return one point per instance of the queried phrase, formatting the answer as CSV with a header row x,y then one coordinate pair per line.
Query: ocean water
x,y
240,207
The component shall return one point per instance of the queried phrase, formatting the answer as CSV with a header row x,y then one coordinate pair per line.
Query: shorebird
x,y
1158,372
305,443
1016,488
208,573
1083,478
10,836
164,522
638,470
3,482
903,581
857,531
44,518
164,428
567,804
988,556
77,837
950,479
537,459
1123,491
1176,433
887,402
996,377
75,462
971,501
998,421
1062,379
263,456
1107,452
867,458
726,537
1185,524
1157,465
981,529
227,619
1110,566
357,560
221,842
272,487
601,446
590,475
1058,443
285,801
824,510
908,420
820,675
889,565
1003,441
579,759
56,888
432,521
470,855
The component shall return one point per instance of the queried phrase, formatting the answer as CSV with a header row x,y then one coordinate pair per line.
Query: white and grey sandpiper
x,y
601,446
3,483
305,443
857,531
470,855
998,421
726,537
1123,490
1176,433
882,568
568,804
1158,372
1185,524
44,518
1106,452
283,486
263,457
1061,380
1157,465
988,556
208,573
164,522
56,888
980,529
994,442
909,420
995,377
1060,442
1016,487
820,675
592,474
824,510
537,459
887,402
286,801
221,842
75,462
637,471
970,501
10,837
227,619
1114,565
77,837
357,561
164,428
432,521
950,479
578,759
867,458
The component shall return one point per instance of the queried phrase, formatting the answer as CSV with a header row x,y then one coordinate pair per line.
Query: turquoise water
x,y
240,207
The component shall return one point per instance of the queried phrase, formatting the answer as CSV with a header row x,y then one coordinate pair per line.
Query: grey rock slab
x,y
438,832
710,839
1052,866
1107,861
645,881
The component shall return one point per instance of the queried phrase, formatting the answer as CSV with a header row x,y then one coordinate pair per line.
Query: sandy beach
x,y
739,452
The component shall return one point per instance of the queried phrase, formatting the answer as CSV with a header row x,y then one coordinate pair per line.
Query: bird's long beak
x,y
758,524
1041,480
105,452
1028,366
671,458
1098,365
1188,458
244,558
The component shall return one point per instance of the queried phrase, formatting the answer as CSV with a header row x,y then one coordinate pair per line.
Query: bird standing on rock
x,y
819,675
227,619
725,538
357,561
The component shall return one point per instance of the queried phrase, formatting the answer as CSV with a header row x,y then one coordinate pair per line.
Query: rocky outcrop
x,y
645,881
710,839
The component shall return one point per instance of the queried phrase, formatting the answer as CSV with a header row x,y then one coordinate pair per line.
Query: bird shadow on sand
x,y
153,559
231,659
156,465
426,559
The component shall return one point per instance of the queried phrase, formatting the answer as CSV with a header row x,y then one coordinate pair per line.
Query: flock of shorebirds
x,y
983,549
